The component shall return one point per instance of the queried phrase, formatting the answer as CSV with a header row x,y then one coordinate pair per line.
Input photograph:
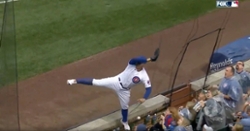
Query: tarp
x,y
231,53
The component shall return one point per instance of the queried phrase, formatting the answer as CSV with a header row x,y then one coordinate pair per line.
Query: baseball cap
x,y
141,127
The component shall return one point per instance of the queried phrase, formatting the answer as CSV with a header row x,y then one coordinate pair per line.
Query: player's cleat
x,y
126,126
71,82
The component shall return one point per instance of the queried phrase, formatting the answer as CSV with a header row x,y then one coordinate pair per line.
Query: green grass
x,y
52,33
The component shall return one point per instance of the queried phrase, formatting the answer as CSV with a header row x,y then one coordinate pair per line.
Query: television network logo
x,y
227,4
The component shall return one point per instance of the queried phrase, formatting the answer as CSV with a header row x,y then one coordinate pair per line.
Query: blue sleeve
x,y
147,92
171,127
244,115
138,60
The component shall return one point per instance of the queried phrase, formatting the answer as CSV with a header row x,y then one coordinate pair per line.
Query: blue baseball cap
x,y
141,127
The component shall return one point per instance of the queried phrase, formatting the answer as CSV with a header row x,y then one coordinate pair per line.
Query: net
x,y
194,59
8,70
198,53
191,61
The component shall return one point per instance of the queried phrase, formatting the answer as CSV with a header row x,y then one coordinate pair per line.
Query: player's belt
x,y
126,88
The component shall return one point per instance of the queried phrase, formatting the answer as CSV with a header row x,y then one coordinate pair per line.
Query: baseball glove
x,y
156,55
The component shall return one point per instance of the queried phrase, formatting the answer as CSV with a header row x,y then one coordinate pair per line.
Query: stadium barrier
x,y
113,120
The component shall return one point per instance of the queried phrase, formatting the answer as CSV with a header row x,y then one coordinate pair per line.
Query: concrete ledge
x,y
113,120
213,78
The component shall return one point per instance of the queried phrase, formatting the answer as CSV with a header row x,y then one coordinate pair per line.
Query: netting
x,y
194,58
9,119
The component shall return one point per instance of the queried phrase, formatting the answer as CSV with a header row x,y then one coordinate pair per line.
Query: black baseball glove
x,y
156,55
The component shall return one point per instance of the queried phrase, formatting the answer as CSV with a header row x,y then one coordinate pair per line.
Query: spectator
x,y
141,127
245,118
215,93
243,77
188,112
171,116
231,90
160,125
237,127
213,110
244,113
183,125
201,98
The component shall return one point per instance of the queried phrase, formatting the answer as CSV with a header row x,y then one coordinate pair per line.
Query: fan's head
x,y
239,66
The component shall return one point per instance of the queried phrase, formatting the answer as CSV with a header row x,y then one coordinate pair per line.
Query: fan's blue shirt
x,y
243,78
232,88
245,123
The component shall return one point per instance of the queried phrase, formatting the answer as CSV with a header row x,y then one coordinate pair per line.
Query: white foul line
x,y
2,2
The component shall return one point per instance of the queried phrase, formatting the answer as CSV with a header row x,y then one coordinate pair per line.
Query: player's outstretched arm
x,y
139,60
147,93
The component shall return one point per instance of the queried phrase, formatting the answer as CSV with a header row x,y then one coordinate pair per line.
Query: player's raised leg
x,y
124,98
85,81
110,82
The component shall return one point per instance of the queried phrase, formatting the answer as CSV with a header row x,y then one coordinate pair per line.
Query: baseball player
x,y
122,83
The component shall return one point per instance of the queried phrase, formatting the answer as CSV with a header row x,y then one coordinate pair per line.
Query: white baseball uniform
x,y
123,82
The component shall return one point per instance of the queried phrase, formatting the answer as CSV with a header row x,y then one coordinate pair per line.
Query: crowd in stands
x,y
222,107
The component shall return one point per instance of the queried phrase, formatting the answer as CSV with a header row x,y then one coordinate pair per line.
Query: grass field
x,y
55,33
